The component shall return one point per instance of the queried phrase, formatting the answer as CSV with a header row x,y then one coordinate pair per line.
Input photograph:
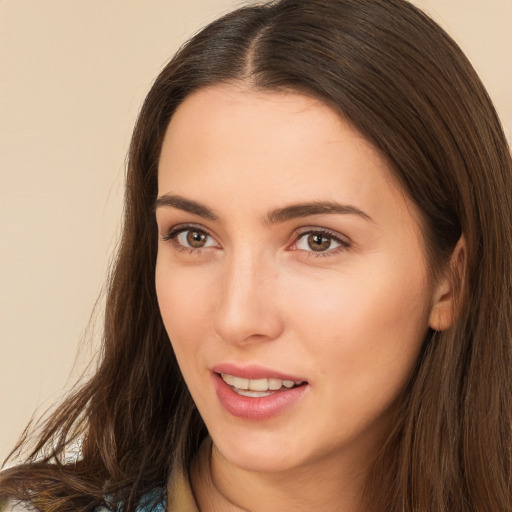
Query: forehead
x,y
226,124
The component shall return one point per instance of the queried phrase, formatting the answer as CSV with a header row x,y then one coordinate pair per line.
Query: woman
x,y
311,306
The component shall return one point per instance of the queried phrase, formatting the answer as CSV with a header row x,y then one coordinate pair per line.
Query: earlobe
x,y
448,289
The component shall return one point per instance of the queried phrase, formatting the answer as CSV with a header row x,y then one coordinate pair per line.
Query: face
x,y
290,276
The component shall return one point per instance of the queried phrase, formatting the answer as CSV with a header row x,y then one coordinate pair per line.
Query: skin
x,y
350,318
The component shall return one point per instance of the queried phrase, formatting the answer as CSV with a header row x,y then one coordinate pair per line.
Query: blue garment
x,y
153,501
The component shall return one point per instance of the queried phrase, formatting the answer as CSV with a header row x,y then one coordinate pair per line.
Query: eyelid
x,y
344,242
179,228
171,234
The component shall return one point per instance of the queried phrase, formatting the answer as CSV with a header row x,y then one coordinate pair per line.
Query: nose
x,y
247,311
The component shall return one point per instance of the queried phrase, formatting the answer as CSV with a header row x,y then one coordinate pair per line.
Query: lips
x,y
255,393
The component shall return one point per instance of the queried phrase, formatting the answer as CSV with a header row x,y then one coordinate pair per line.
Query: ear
x,y
447,290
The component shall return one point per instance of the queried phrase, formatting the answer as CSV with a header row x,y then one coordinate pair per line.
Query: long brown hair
x,y
407,87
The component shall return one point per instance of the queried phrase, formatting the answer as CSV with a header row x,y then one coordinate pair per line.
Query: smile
x,y
258,387
257,399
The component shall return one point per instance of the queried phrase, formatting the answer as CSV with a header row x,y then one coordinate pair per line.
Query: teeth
x,y
252,394
257,385
274,384
240,383
228,379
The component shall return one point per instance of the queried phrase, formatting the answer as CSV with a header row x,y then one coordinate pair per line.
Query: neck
x,y
324,485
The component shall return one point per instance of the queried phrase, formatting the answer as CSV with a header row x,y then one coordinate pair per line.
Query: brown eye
x,y
317,242
320,242
196,239
191,239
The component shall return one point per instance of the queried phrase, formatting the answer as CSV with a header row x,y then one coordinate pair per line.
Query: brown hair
x,y
407,87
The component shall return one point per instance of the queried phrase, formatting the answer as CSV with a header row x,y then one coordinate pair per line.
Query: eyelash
x,y
344,245
177,230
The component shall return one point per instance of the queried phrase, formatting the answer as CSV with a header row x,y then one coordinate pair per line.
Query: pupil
x,y
196,239
318,242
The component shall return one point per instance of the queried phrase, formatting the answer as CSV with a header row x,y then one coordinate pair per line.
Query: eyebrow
x,y
295,211
187,205
276,216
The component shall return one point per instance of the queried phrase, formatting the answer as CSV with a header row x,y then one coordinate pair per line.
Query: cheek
x,y
359,301
364,328
184,301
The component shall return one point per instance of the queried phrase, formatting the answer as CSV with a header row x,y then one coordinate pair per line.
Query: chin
x,y
261,453
259,461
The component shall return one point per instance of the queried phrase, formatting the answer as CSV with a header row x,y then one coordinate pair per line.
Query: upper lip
x,y
254,372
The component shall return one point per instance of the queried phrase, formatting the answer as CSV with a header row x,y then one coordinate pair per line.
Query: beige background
x,y
73,74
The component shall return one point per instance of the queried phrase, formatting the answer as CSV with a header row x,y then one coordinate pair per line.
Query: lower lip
x,y
258,408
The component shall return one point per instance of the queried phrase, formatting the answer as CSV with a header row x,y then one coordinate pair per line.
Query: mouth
x,y
257,393
258,388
